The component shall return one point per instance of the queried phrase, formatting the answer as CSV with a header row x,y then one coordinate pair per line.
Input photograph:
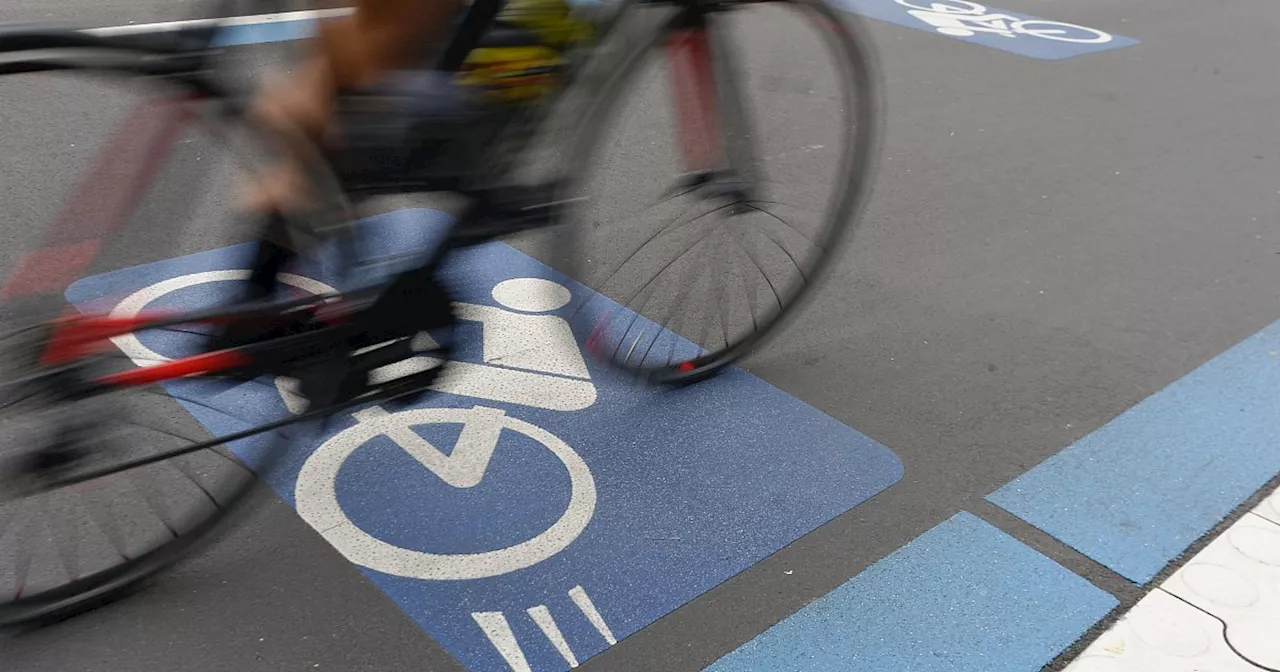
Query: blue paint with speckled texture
x,y
694,485
962,596
1138,491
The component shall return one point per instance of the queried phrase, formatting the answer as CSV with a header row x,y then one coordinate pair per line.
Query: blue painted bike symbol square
x,y
1008,31
539,506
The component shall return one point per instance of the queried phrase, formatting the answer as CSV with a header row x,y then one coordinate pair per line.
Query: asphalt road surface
x,y
1050,241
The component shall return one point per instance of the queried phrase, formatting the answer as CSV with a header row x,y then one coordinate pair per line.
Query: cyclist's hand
x,y
299,103
298,110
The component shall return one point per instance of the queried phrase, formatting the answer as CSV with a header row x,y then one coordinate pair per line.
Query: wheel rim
x,y
620,337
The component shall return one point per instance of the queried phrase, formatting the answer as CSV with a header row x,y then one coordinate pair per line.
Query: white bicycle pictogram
x,y
316,495
530,359
961,18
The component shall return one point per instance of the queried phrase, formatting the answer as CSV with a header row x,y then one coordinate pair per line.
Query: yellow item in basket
x,y
521,59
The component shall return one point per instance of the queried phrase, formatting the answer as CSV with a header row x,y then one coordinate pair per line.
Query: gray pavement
x,y
1049,242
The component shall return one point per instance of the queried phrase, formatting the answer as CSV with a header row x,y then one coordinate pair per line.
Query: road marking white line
x,y
542,616
584,603
496,628
189,24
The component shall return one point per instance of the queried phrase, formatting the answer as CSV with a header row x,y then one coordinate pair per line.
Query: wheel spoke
x,y
662,270
799,268
181,467
66,549
22,561
750,294
109,529
8,519
685,287
720,301
754,262
753,205
645,287
704,328
158,508
654,237
637,313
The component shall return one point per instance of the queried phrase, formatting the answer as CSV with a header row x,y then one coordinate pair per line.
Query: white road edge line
x,y
256,19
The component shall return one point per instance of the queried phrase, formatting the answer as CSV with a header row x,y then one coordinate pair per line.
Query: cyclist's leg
x,y
348,53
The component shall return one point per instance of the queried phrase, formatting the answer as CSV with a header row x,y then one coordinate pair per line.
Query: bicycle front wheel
x,y
699,264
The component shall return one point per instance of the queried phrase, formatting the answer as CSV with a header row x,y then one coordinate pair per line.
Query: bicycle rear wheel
x,y
156,188
703,267
70,548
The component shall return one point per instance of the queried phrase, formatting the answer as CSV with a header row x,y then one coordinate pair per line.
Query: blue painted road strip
x,y
575,506
962,596
1134,494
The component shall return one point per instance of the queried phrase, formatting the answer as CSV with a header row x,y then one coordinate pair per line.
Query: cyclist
x,y
356,56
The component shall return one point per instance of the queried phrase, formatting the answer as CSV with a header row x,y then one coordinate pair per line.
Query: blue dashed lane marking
x,y
963,596
1135,493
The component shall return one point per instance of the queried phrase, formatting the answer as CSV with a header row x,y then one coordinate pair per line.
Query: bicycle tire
x,y
850,48
24,606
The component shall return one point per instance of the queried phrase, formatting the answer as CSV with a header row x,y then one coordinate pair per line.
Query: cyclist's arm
x,y
349,52
354,51
382,35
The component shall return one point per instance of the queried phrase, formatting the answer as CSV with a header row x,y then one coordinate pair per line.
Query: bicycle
x,y
95,430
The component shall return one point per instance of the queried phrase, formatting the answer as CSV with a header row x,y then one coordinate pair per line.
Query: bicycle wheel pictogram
x,y
464,466
1062,32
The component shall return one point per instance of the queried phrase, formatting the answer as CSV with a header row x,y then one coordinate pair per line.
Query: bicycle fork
x,y
713,126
